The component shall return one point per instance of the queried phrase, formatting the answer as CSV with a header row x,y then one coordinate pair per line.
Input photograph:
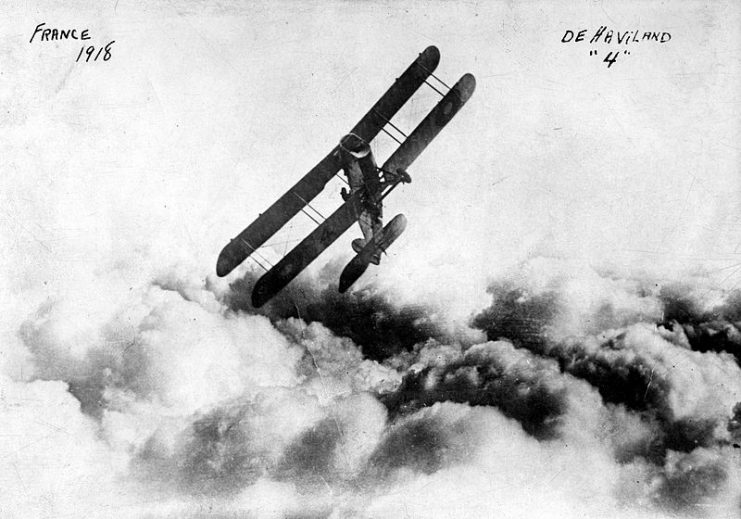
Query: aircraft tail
x,y
371,252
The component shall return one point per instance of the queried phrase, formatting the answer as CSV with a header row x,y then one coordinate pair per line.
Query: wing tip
x,y
432,56
468,82
223,265
259,298
264,290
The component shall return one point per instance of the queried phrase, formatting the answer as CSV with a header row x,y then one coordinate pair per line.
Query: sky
x,y
575,222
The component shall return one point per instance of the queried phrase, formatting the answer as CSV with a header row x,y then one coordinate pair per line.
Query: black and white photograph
x,y
370,259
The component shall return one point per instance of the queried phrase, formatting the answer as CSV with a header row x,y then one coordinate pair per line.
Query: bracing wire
x,y
256,253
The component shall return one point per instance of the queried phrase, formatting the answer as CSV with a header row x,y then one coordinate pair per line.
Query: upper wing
x,y
305,252
288,205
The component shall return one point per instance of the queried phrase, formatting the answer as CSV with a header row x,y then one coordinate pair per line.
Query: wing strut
x,y
391,135
435,89
307,204
430,73
393,126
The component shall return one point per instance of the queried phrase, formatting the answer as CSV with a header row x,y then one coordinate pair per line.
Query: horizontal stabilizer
x,y
380,242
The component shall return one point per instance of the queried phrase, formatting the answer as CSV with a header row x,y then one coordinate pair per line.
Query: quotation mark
x,y
592,52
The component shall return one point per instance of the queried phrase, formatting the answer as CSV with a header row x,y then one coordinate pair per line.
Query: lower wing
x,y
307,251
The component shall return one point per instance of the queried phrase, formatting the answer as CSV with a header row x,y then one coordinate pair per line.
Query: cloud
x,y
367,316
201,405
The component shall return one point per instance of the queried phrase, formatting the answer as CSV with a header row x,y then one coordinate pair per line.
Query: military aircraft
x,y
369,185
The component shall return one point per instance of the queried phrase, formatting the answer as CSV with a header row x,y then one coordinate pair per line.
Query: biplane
x,y
369,184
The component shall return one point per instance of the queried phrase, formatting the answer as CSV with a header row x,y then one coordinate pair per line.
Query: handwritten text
x,y
606,36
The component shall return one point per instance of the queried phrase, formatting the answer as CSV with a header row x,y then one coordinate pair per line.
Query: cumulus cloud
x,y
183,398
368,316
